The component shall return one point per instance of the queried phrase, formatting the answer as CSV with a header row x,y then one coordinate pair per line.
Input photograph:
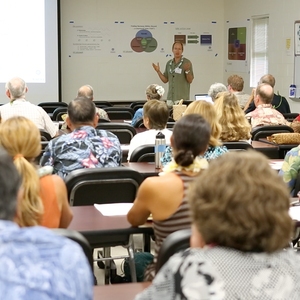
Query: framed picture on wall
x,y
297,38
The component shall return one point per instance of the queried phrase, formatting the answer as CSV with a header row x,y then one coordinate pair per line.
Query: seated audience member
x,y
86,91
156,115
16,90
235,127
153,92
165,197
215,89
290,167
207,111
35,263
265,114
45,200
238,236
85,146
236,86
278,102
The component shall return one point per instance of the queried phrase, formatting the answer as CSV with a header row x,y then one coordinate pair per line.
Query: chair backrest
x,y
45,136
175,242
143,153
102,185
44,144
125,132
102,104
120,113
236,146
267,130
290,116
136,105
79,239
58,112
49,107
139,124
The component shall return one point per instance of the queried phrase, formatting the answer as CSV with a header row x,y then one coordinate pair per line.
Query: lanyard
x,y
180,63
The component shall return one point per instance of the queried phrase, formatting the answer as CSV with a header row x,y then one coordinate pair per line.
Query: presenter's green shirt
x,y
179,88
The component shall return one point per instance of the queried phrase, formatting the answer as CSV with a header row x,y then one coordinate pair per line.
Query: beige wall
x,y
111,82
282,15
127,79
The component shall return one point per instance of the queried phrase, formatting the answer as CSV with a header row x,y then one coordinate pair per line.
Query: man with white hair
x,y
87,91
15,90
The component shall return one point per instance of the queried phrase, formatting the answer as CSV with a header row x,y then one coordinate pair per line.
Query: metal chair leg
x,y
130,249
106,254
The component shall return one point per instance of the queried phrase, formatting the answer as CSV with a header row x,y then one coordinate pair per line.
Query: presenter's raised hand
x,y
186,66
156,67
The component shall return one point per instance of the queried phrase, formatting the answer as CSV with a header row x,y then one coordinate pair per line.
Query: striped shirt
x,y
180,219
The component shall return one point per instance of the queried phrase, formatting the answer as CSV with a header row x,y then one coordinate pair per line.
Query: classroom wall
x,y
282,15
126,77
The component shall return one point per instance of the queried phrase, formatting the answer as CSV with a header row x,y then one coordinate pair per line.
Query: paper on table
x,y
115,209
276,165
295,212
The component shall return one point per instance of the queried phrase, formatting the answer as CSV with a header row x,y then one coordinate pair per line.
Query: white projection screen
x,y
29,35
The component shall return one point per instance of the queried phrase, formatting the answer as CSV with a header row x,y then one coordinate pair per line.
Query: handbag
x,y
284,138
178,110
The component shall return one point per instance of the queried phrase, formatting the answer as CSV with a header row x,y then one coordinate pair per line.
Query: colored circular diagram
x,y
143,41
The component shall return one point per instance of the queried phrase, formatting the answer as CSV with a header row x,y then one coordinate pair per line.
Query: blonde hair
x,y
247,208
207,111
235,126
20,137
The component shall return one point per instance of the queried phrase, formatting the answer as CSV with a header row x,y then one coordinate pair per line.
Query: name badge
x,y
178,70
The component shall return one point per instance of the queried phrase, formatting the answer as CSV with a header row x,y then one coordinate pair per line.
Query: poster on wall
x,y
297,38
237,43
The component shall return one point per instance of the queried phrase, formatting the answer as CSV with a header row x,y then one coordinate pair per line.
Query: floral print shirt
x,y
85,147
291,167
36,263
219,273
265,114
211,153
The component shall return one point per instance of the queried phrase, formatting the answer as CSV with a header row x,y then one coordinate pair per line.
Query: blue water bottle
x,y
292,91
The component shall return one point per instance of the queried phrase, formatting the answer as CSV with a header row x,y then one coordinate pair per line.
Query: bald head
x,y
269,79
16,88
265,93
86,91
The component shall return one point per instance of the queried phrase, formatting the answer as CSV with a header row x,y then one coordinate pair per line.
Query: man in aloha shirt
x,y
265,114
85,146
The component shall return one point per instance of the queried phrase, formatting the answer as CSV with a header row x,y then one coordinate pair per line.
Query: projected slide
x,y
22,32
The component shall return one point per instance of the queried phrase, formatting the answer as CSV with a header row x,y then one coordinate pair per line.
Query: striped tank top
x,y
181,219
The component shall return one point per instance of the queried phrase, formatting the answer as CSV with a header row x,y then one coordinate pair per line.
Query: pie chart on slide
x,y
143,42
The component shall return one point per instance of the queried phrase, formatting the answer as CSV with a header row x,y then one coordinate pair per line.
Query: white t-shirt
x,y
147,137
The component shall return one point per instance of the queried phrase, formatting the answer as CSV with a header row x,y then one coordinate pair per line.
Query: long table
x,y
104,231
125,291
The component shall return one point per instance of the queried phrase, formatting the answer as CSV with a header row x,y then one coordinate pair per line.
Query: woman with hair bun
x,y
165,197
153,92
45,200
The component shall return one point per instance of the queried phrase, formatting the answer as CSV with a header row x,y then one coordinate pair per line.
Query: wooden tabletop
x,y
145,168
260,144
102,231
125,291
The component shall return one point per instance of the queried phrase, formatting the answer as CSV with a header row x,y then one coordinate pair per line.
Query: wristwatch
x,y
187,72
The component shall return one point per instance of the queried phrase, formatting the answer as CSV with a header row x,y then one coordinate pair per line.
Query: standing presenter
x,y
179,74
